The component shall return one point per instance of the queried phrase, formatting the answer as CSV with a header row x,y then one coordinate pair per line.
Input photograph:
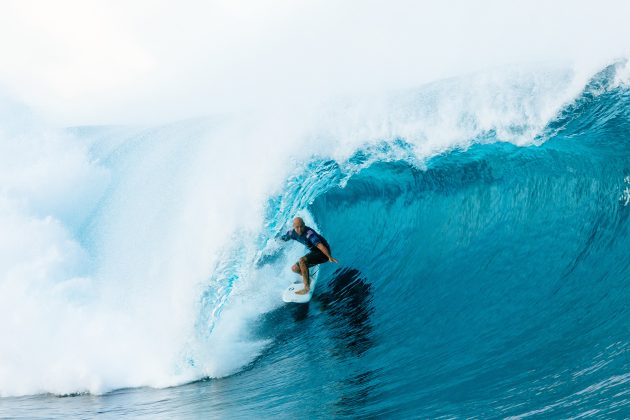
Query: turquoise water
x,y
490,280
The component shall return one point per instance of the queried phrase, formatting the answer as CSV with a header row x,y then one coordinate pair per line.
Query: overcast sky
x,y
149,61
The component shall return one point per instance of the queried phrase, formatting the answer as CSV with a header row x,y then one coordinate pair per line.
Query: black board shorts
x,y
315,257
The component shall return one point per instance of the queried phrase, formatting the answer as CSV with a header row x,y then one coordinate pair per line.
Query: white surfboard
x,y
289,295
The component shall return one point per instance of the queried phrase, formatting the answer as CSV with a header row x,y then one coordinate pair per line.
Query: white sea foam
x,y
104,257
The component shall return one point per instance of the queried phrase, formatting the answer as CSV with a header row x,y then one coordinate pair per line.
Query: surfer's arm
x,y
286,236
324,250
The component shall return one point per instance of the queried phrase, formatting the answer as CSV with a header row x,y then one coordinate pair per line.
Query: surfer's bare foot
x,y
302,292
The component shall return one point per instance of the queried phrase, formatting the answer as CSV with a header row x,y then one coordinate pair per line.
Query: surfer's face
x,y
298,227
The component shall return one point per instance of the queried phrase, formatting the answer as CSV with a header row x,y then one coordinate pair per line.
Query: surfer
x,y
319,250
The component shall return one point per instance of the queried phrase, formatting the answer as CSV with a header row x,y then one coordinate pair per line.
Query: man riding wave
x,y
319,251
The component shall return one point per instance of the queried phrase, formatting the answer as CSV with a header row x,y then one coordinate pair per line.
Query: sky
x,y
154,61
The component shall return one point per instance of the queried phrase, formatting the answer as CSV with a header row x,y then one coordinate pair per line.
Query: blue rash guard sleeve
x,y
287,236
313,237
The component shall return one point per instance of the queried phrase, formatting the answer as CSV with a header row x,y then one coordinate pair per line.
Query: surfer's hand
x,y
331,259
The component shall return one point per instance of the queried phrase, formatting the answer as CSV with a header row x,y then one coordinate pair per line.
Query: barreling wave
x,y
481,224
489,279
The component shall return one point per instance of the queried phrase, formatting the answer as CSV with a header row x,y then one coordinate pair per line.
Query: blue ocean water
x,y
491,279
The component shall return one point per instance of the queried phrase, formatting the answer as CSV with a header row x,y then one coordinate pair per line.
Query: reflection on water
x,y
356,392
348,306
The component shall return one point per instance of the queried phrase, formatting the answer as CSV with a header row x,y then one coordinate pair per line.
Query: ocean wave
x,y
488,208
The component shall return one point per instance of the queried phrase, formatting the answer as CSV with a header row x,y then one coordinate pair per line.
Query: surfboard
x,y
289,295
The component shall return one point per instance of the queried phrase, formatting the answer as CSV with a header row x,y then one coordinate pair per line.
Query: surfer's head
x,y
298,225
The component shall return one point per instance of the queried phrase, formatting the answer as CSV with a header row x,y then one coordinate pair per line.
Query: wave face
x,y
482,229
496,281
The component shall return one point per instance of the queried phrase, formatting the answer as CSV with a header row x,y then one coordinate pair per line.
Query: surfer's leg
x,y
305,277
314,257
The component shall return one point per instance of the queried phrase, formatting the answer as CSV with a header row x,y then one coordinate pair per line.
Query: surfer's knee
x,y
296,268
303,261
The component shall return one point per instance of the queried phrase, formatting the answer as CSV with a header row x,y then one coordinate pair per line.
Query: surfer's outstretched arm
x,y
324,250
